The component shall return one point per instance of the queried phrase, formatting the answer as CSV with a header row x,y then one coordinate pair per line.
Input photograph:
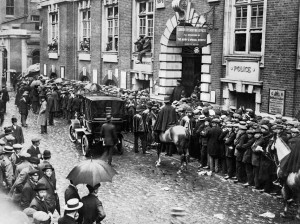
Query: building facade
x,y
19,35
248,56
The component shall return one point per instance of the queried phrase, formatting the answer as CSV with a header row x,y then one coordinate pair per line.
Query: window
x,y
248,26
10,7
112,28
85,25
53,28
145,18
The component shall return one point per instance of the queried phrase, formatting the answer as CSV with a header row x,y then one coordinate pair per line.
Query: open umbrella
x,y
91,172
58,80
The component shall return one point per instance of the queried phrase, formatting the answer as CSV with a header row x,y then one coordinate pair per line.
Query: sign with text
x,y
243,71
160,4
191,36
276,101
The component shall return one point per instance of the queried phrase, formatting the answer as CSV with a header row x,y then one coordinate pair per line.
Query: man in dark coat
x,y
69,106
139,130
241,139
178,92
17,131
291,163
23,109
71,192
71,212
38,202
5,97
110,138
146,48
76,104
34,150
213,145
2,105
92,207
51,108
64,104
166,117
34,96
28,192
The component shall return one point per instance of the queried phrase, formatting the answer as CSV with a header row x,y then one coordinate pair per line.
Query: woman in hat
x,y
42,118
48,180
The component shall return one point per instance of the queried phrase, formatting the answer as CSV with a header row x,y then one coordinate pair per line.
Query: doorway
x,y
245,100
191,68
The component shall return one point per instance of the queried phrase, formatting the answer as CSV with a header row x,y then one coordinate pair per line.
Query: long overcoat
x,y
166,118
213,143
42,118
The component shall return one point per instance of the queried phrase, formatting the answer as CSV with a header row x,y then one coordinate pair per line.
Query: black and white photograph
x,y
149,111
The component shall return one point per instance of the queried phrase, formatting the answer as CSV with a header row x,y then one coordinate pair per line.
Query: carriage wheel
x,y
120,147
85,145
72,134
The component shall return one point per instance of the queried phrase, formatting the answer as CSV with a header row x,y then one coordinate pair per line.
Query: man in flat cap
x,y
34,149
28,192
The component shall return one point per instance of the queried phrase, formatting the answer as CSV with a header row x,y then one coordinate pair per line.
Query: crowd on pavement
x,y
235,142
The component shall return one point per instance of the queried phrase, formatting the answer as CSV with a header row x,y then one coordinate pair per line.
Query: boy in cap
x,y
229,151
139,130
38,202
247,157
17,131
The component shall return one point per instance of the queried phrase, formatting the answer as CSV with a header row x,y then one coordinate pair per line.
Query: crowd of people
x,y
235,142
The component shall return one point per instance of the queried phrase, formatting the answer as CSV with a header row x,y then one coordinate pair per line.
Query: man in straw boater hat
x,y
92,209
71,212
7,167
110,138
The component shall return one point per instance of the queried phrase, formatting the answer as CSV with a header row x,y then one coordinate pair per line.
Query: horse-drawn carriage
x,y
85,129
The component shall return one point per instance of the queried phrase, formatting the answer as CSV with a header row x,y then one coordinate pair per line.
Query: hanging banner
x,y
191,36
276,101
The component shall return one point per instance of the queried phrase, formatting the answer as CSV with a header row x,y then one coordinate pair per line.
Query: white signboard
x,y
62,72
95,78
243,71
123,80
160,4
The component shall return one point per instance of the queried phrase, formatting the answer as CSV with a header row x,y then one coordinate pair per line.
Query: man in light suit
x,y
108,132
17,131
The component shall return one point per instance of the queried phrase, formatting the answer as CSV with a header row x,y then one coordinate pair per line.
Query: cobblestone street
x,y
142,193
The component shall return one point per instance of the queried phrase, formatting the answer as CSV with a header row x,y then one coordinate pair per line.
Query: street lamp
x,y
2,47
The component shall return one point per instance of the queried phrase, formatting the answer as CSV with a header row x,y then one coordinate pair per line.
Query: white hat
x,y
73,204
41,216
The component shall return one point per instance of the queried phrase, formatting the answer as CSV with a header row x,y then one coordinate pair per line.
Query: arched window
x,y
35,57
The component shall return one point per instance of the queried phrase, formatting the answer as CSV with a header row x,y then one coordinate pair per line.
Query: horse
x,y
291,186
178,135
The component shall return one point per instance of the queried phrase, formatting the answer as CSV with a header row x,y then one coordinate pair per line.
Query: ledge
x,y
243,57
84,56
53,55
259,83
110,56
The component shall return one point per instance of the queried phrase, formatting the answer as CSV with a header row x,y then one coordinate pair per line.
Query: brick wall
x,y
280,52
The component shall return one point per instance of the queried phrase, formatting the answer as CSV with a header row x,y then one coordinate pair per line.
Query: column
x,y
24,55
1,66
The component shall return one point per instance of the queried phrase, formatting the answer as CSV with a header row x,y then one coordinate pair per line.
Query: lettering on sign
x,y
276,101
160,4
243,71
191,36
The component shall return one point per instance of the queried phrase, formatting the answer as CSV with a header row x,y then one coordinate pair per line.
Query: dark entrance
x,y
191,68
245,100
36,57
